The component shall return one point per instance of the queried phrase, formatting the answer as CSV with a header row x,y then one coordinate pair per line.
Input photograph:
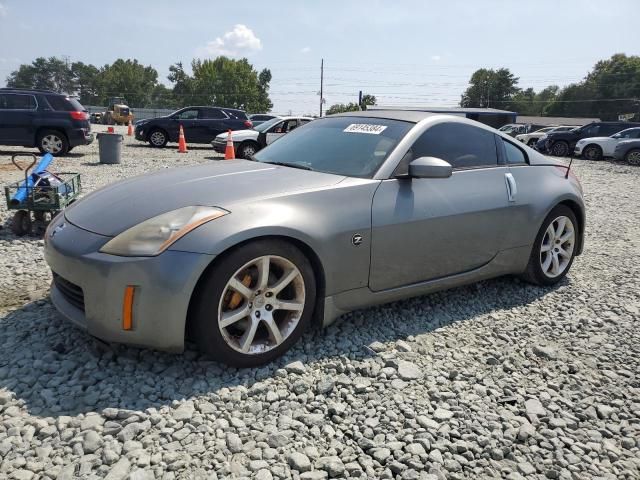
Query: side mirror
x,y
430,167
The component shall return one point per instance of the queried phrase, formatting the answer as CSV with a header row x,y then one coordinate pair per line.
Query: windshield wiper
x,y
292,165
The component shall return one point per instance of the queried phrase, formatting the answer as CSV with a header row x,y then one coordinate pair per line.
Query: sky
x,y
406,53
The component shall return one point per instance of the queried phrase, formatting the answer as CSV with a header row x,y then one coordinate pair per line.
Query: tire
x,y
53,142
255,313
592,152
21,224
536,272
532,143
559,149
633,157
158,138
247,149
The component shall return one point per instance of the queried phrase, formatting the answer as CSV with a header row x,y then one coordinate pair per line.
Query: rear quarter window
x,y
64,104
237,115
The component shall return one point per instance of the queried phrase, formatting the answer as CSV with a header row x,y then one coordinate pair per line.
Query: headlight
x,y
155,235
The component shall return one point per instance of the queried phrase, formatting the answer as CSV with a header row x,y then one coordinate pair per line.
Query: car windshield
x,y
351,146
267,125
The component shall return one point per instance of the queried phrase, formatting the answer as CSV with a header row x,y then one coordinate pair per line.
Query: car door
x,y
424,229
213,122
188,118
17,112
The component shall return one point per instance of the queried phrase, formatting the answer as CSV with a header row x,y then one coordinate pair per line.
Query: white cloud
x,y
3,11
305,50
436,58
236,43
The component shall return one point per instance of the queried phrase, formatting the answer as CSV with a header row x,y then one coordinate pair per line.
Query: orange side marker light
x,y
127,308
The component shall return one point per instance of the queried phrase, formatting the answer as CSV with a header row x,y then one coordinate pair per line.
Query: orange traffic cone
x,y
130,129
182,143
229,152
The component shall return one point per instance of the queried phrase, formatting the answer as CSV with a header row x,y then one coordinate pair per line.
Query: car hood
x,y
595,139
239,135
117,207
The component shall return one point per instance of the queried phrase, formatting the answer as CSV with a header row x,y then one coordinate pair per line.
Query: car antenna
x,y
566,175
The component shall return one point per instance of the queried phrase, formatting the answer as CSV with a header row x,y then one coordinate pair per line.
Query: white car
x,y
595,148
247,142
532,138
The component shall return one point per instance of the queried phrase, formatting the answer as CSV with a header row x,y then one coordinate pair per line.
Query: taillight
x,y
79,115
248,123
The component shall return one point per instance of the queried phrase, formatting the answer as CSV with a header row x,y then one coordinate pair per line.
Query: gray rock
x,y
299,461
234,444
545,352
332,465
314,475
409,371
604,411
120,470
184,412
381,455
377,347
296,367
263,474
534,407
442,414
91,441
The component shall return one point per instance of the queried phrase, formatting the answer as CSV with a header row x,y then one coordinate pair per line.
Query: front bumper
x,y
139,134
163,288
577,150
219,147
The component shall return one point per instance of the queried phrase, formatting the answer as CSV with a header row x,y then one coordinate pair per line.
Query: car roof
x,y
213,106
403,115
293,117
30,90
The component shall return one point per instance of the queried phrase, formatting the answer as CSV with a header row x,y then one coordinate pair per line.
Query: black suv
x,y
200,125
53,122
561,144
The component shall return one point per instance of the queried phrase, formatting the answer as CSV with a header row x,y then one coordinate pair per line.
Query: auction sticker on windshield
x,y
365,128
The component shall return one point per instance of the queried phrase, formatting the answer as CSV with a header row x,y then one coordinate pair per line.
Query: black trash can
x,y
110,147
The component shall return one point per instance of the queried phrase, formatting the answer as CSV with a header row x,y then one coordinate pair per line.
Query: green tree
x,y
230,83
352,106
85,77
129,79
44,73
490,88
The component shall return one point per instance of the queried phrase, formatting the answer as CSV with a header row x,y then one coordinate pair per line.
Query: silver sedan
x,y
348,211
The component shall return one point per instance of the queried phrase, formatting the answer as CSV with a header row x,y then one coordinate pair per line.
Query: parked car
x,y
200,125
514,129
248,142
53,122
532,138
595,148
349,211
258,118
628,151
561,144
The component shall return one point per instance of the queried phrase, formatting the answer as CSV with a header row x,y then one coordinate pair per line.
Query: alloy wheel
x,y
557,247
248,151
559,149
261,304
157,138
592,153
52,144
634,158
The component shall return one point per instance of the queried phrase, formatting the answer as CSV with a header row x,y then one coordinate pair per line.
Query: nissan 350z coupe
x,y
345,212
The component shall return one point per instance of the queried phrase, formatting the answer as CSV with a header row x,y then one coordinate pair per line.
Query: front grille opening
x,y
70,291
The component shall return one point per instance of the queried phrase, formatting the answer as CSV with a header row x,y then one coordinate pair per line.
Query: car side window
x,y
591,131
463,146
9,101
291,124
278,128
303,121
514,155
191,114
606,130
214,113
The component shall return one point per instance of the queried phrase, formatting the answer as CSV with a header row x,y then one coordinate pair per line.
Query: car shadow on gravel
x,y
56,369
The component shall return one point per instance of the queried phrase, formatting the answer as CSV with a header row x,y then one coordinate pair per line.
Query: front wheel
x,y
592,152
254,304
554,247
560,149
532,143
633,157
247,150
158,138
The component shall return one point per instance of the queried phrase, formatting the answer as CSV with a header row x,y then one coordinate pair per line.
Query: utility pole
x,y
321,84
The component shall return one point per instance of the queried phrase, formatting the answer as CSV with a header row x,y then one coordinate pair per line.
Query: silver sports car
x,y
348,211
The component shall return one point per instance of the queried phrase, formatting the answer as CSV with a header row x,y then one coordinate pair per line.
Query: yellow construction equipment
x,y
118,112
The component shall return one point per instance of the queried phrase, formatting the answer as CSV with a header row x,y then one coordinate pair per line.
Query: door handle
x,y
512,187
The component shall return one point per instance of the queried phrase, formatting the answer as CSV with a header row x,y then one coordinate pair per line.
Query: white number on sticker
x,y
365,128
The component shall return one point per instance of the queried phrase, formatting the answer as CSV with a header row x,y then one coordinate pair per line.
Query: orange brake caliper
x,y
236,298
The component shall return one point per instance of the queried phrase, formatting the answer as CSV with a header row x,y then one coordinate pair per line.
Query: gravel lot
x,y
496,380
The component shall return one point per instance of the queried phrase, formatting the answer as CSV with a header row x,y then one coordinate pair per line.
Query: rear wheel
x,y
53,142
254,304
560,149
158,138
21,224
633,157
554,248
592,152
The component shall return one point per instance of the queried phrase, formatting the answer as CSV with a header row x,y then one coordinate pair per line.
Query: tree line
x,y
610,89
220,81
